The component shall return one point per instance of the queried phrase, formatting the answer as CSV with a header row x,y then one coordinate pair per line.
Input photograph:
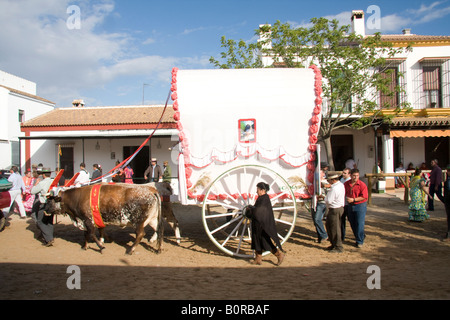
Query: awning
x,y
395,61
434,59
420,133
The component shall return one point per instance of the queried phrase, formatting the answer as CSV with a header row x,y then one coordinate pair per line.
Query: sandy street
x,y
413,262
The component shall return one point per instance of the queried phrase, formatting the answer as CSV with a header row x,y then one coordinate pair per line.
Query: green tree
x,y
238,55
355,69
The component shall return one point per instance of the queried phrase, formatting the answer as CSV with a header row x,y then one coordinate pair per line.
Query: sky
x,y
117,52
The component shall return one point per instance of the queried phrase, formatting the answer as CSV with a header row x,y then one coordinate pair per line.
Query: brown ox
x,y
119,204
165,191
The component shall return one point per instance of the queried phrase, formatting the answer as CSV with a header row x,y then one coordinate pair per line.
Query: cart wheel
x,y
227,199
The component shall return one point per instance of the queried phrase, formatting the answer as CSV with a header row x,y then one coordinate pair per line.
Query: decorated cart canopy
x,y
239,127
227,118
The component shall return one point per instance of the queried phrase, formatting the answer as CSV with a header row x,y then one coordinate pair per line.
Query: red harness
x,y
95,206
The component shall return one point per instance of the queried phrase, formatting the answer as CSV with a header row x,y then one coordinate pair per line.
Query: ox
x,y
119,204
165,191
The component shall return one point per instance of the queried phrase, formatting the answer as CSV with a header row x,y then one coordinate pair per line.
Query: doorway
x,y
140,162
342,147
437,148
65,160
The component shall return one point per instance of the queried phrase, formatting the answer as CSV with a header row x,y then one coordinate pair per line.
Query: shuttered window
x,y
431,78
389,99
431,86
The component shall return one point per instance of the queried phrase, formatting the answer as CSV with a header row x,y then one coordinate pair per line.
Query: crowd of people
x,y
346,199
343,197
28,192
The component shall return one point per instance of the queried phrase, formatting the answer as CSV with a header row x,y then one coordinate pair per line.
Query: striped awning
x,y
420,133
434,60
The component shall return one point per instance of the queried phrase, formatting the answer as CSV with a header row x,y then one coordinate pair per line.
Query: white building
x,y
101,135
68,136
414,138
18,102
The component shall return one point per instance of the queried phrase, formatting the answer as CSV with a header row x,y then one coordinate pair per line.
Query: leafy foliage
x,y
355,69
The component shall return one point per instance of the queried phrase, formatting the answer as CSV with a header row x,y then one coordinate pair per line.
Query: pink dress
x,y
28,198
128,175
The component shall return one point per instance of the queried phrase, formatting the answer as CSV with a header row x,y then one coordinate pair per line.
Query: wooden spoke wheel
x,y
227,199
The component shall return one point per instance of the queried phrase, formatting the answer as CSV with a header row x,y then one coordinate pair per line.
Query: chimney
x,y
406,31
358,22
78,103
264,36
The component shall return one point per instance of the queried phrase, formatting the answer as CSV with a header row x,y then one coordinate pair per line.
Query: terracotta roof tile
x,y
94,116
412,37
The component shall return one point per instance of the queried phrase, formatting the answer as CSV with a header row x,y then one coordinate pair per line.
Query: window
x,y
431,87
389,98
21,115
345,109
15,153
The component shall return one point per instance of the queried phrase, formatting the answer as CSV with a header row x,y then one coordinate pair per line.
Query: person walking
x,y
356,194
435,184
263,226
18,187
28,199
318,214
43,221
418,193
335,200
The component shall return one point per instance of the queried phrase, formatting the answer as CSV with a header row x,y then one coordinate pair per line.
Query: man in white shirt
x,y
335,201
83,177
18,187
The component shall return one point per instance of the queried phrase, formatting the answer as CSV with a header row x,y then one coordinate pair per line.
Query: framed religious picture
x,y
247,130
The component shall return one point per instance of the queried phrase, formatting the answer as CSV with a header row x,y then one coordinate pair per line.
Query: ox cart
x,y
238,128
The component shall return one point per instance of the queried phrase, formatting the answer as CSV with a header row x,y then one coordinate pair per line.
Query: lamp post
x,y
143,87
375,127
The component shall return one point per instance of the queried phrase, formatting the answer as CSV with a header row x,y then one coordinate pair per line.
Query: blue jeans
x,y
317,217
357,218
343,221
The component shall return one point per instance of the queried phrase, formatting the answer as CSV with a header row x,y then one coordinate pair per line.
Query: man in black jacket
x,y
153,172
263,226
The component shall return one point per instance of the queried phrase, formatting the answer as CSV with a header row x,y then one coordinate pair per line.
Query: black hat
x,y
45,170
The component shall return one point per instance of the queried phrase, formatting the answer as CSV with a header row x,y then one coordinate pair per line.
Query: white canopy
x,y
230,117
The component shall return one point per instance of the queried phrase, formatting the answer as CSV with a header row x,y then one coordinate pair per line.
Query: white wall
x,y
413,74
17,83
362,139
414,151
10,104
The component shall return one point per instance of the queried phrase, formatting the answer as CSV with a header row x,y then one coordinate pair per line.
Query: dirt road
x,y
413,263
